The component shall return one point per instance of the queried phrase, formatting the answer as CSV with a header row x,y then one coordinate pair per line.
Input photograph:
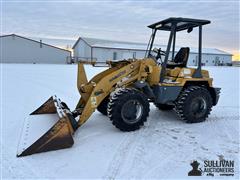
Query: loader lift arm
x,y
94,91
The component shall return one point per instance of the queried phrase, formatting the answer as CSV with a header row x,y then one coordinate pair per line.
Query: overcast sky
x,y
120,20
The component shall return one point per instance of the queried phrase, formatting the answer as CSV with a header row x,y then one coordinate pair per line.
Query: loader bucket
x,y
53,123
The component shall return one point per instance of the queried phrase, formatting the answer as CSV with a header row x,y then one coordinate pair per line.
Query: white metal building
x,y
102,50
18,49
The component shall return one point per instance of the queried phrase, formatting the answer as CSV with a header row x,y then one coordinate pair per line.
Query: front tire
x,y
128,109
194,104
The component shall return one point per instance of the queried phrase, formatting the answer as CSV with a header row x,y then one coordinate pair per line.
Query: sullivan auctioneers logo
x,y
212,168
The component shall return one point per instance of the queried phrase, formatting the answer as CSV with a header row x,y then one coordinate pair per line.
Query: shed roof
x,y
111,44
94,42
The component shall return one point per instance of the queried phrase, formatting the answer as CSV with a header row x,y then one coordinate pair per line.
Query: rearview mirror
x,y
189,29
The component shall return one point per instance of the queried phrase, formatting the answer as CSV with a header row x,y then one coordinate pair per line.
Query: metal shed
x,y
102,50
19,49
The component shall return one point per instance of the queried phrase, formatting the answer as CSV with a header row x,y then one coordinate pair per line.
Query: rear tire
x,y
194,104
128,109
102,108
164,107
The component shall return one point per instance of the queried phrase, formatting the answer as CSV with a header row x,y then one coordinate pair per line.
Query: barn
x,y
19,49
102,50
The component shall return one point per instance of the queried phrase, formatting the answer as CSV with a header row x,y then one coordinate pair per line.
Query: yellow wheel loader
x,y
123,91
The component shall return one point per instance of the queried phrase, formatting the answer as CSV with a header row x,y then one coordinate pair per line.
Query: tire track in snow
x,y
145,139
139,149
120,156
227,133
228,142
165,148
173,136
123,151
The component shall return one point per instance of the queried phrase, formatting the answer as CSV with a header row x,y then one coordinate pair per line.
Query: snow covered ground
x,y
163,148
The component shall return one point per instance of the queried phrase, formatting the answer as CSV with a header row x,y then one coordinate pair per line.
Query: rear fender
x,y
215,93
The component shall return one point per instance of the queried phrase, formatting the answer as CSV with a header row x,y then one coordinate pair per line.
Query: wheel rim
x,y
198,107
131,111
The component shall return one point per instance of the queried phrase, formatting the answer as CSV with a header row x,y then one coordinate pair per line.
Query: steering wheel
x,y
159,53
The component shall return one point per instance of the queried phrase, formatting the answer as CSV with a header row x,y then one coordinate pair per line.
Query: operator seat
x,y
180,59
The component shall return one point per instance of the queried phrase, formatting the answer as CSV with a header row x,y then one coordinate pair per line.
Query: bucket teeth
x,y
46,108
58,137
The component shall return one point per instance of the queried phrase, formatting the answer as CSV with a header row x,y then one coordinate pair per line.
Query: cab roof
x,y
181,23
